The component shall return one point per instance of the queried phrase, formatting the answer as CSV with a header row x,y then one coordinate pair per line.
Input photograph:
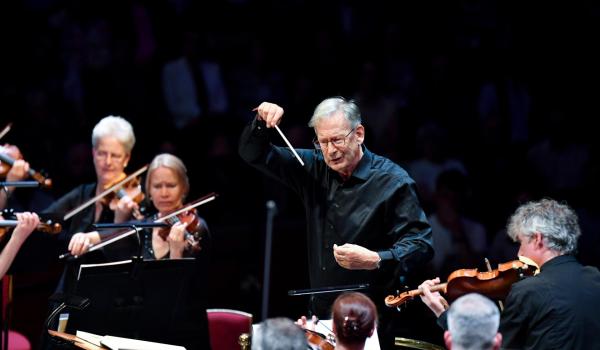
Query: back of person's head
x,y
473,324
278,333
117,127
330,106
354,318
556,222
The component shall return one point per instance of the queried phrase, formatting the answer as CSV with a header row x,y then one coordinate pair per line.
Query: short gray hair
x,y
556,222
328,107
279,333
166,160
117,127
473,322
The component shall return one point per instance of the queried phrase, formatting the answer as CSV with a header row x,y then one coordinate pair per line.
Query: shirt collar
x,y
561,259
363,168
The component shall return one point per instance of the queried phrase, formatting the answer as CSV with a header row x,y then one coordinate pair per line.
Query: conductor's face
x,y
340,143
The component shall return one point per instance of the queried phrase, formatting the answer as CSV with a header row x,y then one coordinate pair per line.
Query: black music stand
x,y
147,300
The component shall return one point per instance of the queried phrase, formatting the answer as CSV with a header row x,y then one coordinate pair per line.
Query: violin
x,y
319,340
8,155
494,284
113,191
193,231
111,238
131,188
47,226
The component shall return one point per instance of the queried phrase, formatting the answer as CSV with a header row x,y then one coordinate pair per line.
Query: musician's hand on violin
x,y
355,257
433,300
81,242
177,240
18,171
27,223
270,113
303,322
125,208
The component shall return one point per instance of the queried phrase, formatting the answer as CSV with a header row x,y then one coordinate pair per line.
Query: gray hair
x,y
330,106
556,222
116,127
279,333
473,322
166,160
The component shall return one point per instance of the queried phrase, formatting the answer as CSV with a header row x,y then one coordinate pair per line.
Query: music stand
x,y
137,299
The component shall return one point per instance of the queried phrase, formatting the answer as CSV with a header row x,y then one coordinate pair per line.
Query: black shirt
x,y
377,208
557,309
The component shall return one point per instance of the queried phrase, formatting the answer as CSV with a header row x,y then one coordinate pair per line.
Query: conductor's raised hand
x,y
270,113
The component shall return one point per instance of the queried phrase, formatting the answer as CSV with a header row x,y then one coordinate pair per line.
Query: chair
x,y
225,327
16,340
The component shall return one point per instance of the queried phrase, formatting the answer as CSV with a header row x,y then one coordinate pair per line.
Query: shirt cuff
x,y
385,255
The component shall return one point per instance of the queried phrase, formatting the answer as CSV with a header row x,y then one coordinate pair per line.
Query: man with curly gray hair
x,y
557,308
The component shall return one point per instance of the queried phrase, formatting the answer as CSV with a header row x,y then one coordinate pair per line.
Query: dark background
x,y
511,87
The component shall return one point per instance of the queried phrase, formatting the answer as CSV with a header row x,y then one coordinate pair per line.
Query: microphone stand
x,y
271,212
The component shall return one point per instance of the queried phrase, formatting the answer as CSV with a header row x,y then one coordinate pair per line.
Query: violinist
x,y
557,308
167,186
27,223
112,141
354,319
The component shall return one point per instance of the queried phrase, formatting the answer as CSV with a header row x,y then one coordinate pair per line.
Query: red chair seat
x,y
17,341
225,327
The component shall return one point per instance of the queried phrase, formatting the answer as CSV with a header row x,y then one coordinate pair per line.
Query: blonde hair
x,y
166,160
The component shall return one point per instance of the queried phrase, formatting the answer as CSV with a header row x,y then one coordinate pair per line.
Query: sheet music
x,y
120,343
84,266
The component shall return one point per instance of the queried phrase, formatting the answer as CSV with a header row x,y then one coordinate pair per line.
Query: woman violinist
x,y
112,142
167,185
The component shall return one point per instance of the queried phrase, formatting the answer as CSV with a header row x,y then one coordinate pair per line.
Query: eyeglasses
x,y
336,142
102,155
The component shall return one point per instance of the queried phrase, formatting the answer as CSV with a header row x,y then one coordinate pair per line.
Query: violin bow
x,y
208,198
198,202
5,130
489,268
111,189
